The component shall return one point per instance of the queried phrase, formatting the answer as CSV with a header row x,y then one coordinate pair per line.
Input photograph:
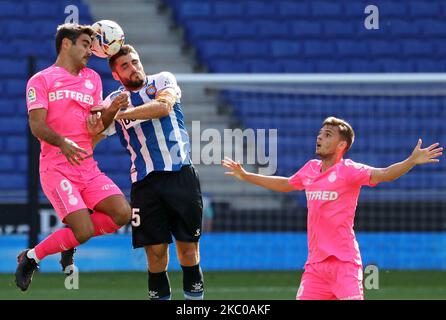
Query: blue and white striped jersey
x,y
156,144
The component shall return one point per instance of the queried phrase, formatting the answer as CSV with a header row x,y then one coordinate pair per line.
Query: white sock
x,y
32,255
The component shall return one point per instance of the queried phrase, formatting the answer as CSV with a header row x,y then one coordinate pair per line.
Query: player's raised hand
x,y
426,155
95,124
72,151
121,102
235,167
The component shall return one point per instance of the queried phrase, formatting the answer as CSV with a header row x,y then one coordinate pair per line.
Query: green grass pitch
x,y
251,285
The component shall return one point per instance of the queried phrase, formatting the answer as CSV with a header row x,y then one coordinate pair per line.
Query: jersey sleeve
x,y
168,80
359,173
296,180
36,93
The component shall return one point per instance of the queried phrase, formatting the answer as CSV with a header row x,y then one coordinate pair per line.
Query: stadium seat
x,y
273,29
424,8
348,48
259,9
339,28
323,9
216,49
16,144
12,181
12,9
41,9
285,48
305,28
194,9
250,48
13,125
417,48
8,163
228,10
293,9
204,29
13,68
239,29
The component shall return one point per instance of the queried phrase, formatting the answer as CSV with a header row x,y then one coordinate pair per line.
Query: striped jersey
x,y
156,144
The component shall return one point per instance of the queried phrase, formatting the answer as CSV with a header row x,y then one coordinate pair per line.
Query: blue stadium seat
x,y
259,9
7,108
25,48
323,9
273,29
228,9
239,29
263,66
319,48
13,68
194,9
331,65
21,163
424,8
12,181
17,144
404,28
393,8
350,48
216,49
362,65
250,48
42,9
7,163
305,28
202,29
339,28
285,48
293,9
20,29
15,88
433,27
296,66
13,125
12,9
384,48
417,47
228,66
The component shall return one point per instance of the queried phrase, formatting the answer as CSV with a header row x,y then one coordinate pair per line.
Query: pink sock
x,y
58,241
103,224
64,239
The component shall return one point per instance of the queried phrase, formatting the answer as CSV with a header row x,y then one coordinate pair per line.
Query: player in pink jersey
x,y
332,185
60,99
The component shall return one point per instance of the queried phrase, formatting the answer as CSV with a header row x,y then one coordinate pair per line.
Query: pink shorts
x,y
70,190
331,279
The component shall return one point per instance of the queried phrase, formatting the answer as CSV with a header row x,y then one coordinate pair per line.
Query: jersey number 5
x,y
136,218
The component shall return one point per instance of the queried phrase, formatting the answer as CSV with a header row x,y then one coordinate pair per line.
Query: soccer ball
x,y
108,40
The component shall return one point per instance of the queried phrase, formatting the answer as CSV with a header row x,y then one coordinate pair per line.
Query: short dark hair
x,y
125,50
345,130
71,31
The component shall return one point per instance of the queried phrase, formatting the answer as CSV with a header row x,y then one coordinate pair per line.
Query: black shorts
x,y
167,203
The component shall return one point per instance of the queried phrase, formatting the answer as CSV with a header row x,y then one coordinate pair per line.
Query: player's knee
x,y
123,214
158,255
189,255
84,234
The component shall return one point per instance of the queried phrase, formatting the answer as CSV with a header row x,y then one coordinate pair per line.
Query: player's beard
x,y
133,85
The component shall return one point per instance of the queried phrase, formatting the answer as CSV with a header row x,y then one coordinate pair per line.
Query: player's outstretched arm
x,y
418,156
155,109
39,128
269,182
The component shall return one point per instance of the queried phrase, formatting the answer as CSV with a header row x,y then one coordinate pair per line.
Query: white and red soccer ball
x,y
108,40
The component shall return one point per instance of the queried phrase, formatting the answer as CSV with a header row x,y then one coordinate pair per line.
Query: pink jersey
x,y
68,99
332,198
